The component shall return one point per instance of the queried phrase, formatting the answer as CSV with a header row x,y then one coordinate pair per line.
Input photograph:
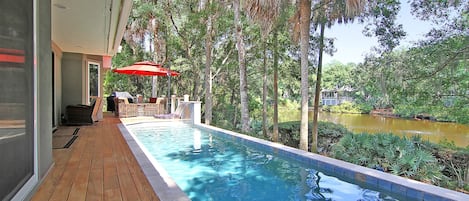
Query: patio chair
x,y
125,109
83,114
157,100
155,107
181,112
161,101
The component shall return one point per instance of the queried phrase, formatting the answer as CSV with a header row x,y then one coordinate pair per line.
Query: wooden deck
x,y
98,166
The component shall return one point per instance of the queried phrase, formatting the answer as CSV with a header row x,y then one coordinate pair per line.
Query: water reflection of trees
x,y
315,191
226,170
233,172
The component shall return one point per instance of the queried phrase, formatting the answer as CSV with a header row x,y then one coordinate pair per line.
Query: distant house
x,y
336,96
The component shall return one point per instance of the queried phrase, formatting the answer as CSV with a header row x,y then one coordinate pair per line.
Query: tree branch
x,y
441,67
172,20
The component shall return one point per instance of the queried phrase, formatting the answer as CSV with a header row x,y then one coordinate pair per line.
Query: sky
x,y
352,45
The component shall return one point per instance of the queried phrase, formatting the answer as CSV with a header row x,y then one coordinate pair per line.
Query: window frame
x,y
88,74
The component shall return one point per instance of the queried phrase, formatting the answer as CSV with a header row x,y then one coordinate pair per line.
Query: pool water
x,y
207,167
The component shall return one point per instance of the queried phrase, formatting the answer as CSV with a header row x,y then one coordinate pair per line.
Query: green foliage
x,y
383,25
364,108
328,134
337,75
331,130
400,156
256,129
441,164
456,113
431,78
345,107
130,83
288,104
455,160
255,107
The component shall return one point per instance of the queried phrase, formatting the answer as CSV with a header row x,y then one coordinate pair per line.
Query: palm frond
x,y
354,7
263,12
340,11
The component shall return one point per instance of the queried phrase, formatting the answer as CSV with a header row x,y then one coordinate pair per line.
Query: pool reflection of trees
x,y
315,191
226,170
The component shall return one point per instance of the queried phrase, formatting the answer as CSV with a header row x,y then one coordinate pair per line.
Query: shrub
x,y
345,107
256,128
328,134
288,104
390,153
456,162
441,164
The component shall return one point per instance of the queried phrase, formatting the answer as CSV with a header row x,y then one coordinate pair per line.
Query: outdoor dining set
x,y
122,103
125,105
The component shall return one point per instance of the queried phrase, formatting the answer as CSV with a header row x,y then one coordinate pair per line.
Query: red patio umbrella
x,y
148,68
145,68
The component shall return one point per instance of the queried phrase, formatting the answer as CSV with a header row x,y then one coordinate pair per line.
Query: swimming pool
x,y
210,166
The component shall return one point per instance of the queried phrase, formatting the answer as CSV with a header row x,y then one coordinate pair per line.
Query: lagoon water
x,y
359,123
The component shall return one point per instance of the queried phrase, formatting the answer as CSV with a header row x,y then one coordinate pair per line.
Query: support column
x,y
195,111
173,103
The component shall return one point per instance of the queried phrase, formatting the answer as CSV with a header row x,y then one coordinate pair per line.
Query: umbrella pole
x,y
169,89
154,86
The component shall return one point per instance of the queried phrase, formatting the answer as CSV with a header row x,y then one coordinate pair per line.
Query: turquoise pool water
x,y
208,167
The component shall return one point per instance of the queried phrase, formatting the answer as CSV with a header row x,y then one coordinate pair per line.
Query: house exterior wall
x,y
335,97
44,87
72,79
74,72
57,83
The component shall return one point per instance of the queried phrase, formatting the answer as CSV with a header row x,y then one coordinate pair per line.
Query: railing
x,y
336,101
176,100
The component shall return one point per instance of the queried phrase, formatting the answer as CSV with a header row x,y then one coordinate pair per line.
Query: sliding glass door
x,y
16,96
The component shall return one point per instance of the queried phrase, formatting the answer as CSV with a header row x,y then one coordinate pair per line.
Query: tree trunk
x,y
156,54
208,71
195,90
264,92
243,87
305,14
232,99
275,130
317,92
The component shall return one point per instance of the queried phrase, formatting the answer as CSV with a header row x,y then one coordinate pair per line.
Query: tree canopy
x,y
431,76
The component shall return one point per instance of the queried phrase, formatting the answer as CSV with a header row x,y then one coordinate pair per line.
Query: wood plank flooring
x,y
98,166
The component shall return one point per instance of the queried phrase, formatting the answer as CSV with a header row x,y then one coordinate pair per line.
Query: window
x,y
16,99
93,80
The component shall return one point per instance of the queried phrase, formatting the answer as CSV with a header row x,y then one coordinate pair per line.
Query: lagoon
x,y
359,123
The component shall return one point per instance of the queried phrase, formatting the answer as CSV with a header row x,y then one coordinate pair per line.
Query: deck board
x,y
98,166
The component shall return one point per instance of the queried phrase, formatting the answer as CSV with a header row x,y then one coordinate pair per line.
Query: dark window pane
x,y
93,79
16,95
